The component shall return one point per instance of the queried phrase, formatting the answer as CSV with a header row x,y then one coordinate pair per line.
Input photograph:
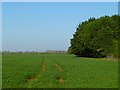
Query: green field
x,y
58,71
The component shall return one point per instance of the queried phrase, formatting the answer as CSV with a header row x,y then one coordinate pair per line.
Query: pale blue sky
x,y
0,26
60,0
47,26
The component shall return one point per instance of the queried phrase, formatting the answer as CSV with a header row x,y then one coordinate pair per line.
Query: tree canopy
x,y
96,37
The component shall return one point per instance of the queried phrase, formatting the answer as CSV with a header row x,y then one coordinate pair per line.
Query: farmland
x,y
57,71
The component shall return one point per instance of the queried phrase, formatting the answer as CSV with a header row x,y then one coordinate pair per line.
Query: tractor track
x,y
59,79
58,67
34,78
43,67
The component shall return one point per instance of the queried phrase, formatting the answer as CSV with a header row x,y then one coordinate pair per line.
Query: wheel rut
x,y
59,68
59,78
43,67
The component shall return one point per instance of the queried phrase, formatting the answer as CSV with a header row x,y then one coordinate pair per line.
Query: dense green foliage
x,y
24,70
96,37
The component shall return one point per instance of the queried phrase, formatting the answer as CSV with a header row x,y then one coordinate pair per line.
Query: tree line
x,y
96,37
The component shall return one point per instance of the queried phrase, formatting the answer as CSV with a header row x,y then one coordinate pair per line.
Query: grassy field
x,y
58,71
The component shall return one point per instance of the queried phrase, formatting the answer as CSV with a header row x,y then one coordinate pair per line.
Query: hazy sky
x,y
60,0
47,26
0,28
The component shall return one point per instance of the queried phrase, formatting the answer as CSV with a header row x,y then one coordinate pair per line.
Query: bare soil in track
x,y
36,77
59,68
31,78
60,80
43,67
